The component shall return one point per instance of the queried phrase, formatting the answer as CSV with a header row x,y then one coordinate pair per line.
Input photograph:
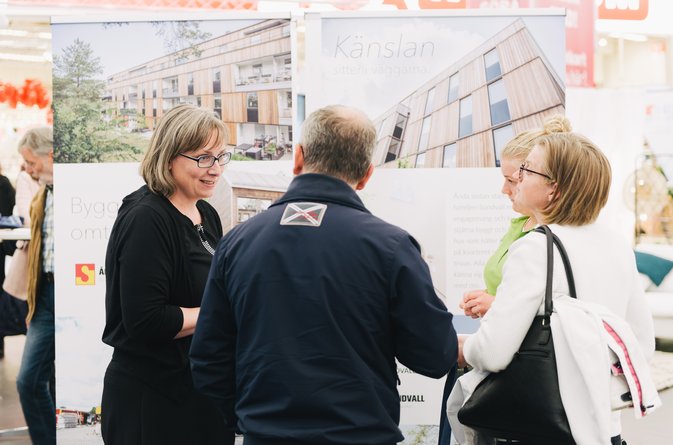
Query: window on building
x,y
497,98
249,207
429,102
501,136
465,127
286,30
190,84
216,80
393,150
420,160
425,135
252,107
288,98
255,39
396,140
449,156
453,88
218,106
154,89
142,90
492,62
400,125
257,69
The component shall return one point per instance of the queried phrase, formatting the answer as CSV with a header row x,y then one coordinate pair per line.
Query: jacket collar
x,y
321,188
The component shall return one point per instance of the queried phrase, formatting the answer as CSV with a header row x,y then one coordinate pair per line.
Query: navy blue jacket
x,y
300,325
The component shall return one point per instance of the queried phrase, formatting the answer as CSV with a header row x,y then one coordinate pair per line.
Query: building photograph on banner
x,y
446,93
110,93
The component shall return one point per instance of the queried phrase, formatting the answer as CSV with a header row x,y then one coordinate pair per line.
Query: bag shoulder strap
x,y
551,240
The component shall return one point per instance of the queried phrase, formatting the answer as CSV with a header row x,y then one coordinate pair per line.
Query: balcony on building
x,y
169,87
268,73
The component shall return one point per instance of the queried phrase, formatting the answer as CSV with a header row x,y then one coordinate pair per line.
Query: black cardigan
x,y
147,280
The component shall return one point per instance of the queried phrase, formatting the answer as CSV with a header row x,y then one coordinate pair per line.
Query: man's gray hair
x,y
338,141
38,140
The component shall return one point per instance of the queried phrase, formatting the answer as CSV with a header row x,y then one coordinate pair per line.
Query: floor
x,y
12,424
655,429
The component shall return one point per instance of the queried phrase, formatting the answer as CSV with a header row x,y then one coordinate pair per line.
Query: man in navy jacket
x,y
308,305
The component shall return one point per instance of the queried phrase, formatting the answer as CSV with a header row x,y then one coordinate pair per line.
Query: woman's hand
x,y
476,303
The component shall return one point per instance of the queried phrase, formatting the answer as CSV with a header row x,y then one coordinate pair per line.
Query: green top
x,y
493,267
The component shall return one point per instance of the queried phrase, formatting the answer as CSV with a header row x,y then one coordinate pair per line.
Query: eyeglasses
x,y
207,161
522,168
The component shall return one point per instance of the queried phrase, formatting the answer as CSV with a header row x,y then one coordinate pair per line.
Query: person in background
x,y
309,303
565,182
158,258
13,307
34,381
7,196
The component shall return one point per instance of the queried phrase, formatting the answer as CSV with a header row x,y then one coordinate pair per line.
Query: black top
x,y
306,307
7,196
155,263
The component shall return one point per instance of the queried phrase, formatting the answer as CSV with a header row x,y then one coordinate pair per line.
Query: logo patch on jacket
x,y
303,214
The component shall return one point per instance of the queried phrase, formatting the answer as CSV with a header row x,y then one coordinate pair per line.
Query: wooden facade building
x,y
465,115
245,76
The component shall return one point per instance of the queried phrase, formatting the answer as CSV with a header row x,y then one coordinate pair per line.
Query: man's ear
x,y
298,160
361,184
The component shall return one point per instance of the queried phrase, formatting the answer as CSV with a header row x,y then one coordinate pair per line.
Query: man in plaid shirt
x,y
36,376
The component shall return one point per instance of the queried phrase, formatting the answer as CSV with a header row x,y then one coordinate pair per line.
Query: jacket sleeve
x,y
516,304
425,340
145,270
212,354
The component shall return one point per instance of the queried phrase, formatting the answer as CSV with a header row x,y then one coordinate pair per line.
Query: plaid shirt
x,y
48,233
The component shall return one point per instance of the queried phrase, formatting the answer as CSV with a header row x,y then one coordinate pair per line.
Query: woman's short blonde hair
x,y
521,144
182,129
582,175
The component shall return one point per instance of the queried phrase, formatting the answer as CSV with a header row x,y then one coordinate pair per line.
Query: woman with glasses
x,y
476,303
157,262
565,182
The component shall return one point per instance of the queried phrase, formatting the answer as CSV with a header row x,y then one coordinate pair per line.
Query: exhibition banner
x,y
109,93
445,92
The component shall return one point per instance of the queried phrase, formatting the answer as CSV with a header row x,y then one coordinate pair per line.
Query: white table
x,y
22,233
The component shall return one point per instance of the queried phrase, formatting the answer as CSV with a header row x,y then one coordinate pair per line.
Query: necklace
x,y
204,241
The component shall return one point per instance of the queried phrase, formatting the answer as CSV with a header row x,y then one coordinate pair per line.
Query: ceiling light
x,y
22,57
13,32
629,36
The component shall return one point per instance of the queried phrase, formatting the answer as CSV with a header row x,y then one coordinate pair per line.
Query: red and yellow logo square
x,y
85,274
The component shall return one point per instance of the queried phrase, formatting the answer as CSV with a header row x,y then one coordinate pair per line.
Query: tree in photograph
x,y
182,38
81,131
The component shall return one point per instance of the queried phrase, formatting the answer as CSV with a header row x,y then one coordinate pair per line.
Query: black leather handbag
x,y
523,401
